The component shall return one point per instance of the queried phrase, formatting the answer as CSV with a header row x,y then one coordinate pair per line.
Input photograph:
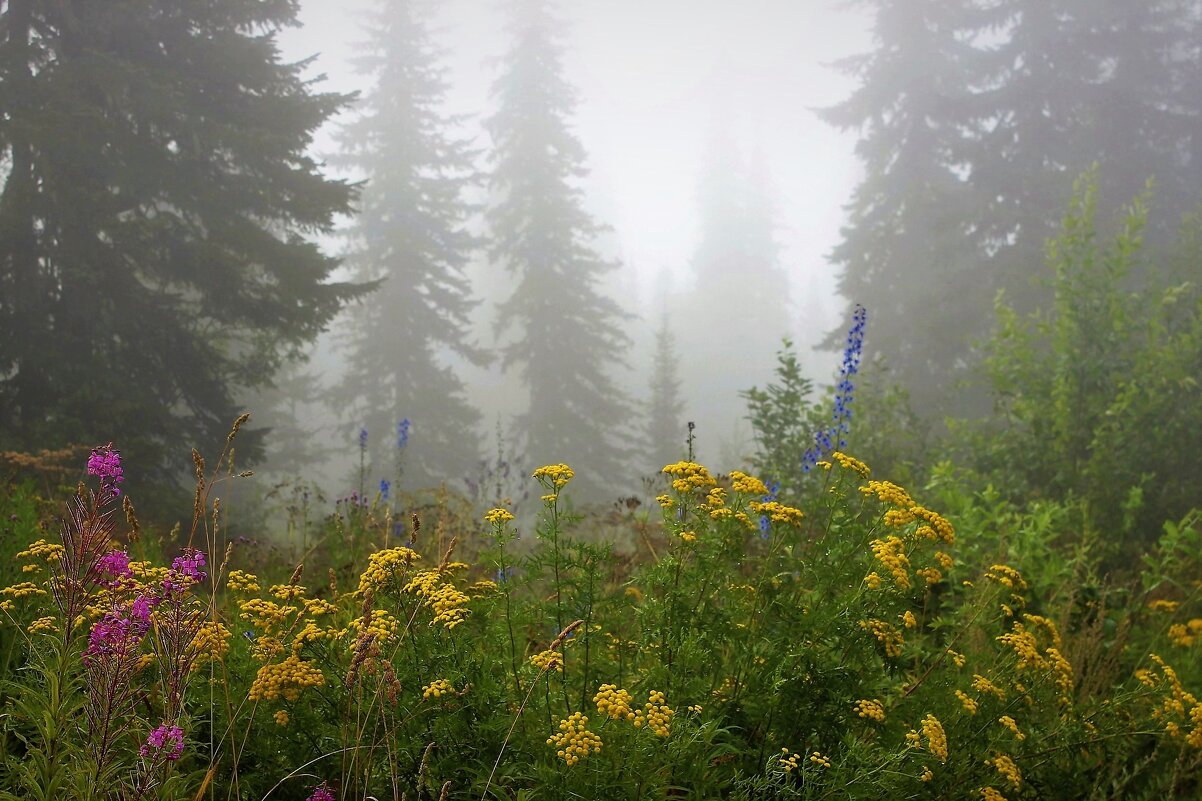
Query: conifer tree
x,y
665,423
566,335
409,236
156,199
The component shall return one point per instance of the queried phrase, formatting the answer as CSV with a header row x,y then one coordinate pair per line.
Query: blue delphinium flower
x,y
363,439
825,439
773,493
402,433
385,486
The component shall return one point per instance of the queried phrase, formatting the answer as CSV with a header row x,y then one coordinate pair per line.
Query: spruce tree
x,y
410,236
153,220
741,293
908,252
566,335
665,424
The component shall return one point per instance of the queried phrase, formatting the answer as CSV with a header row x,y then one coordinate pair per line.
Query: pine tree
x,y
410,237
156,198
976,118
908,253
741,293
566,334
665,423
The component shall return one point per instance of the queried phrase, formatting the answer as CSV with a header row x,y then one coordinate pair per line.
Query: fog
x,y
657,85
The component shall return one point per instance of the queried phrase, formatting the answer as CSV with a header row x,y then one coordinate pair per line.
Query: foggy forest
x,y
568,399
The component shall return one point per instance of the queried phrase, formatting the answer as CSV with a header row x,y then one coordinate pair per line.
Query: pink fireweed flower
x,y
106,463
322,793
166,741
114,566
118,632
185,571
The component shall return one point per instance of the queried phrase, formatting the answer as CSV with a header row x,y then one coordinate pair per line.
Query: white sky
x,y
653,75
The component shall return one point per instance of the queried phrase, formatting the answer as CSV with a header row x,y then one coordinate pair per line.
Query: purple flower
x,y
322,793
163,738
402,433
139,610
384,487
114,565
363,439
824,441
189,565
118,632
106,463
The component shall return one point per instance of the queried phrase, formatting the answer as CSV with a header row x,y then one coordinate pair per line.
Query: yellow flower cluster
x,y
1009,723
936,523
1026,647
265,615
944,560
891,553
287,592
498,516
211,643
790,762
1009,771
548,660
445,599
990,794
319,606
889,493
1007,577
614,702
437,689
967,701
286,679
22,589
873,580
381,625
1184,635
908,619
47,552
241,581
1178,707
311,632
281,718
688,536
43,625
930,575
1162,605
819,760
890,638
665,501
851,463
873,709
556,476
984,685
715,498
746,485
688,476
656,715
383,566
932,729
778,512
574,741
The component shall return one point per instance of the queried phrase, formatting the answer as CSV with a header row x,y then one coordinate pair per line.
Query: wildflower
x,y
819,760
889,637
688,476
1006,576
362,439
385,486
105,463
115,566
281,718
890,552
43,625
930,575
688,536
286,592
574,740
927,775
873,581
944,560
889,493
49,552
990,794
851,463
554,476
211,643
825,439
614,702
908,619
656,714
548,660
437,689
447,602
667,502
778,512
186,568
984,685
938,525
790,762
166,741
967,701
936,738
1162,605
747,485
285,679
1180,635
1009,771
383,566
498,516
402,433
873,709
1009,723
322,793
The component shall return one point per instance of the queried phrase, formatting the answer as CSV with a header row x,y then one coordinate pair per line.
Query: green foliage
x,y
1098,399
782,417
156,201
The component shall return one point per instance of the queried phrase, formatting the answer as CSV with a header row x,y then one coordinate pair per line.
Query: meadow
x,y
858,640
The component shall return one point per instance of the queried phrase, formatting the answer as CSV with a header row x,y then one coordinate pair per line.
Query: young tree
x,y
153,219
567,336
665,423
410,236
